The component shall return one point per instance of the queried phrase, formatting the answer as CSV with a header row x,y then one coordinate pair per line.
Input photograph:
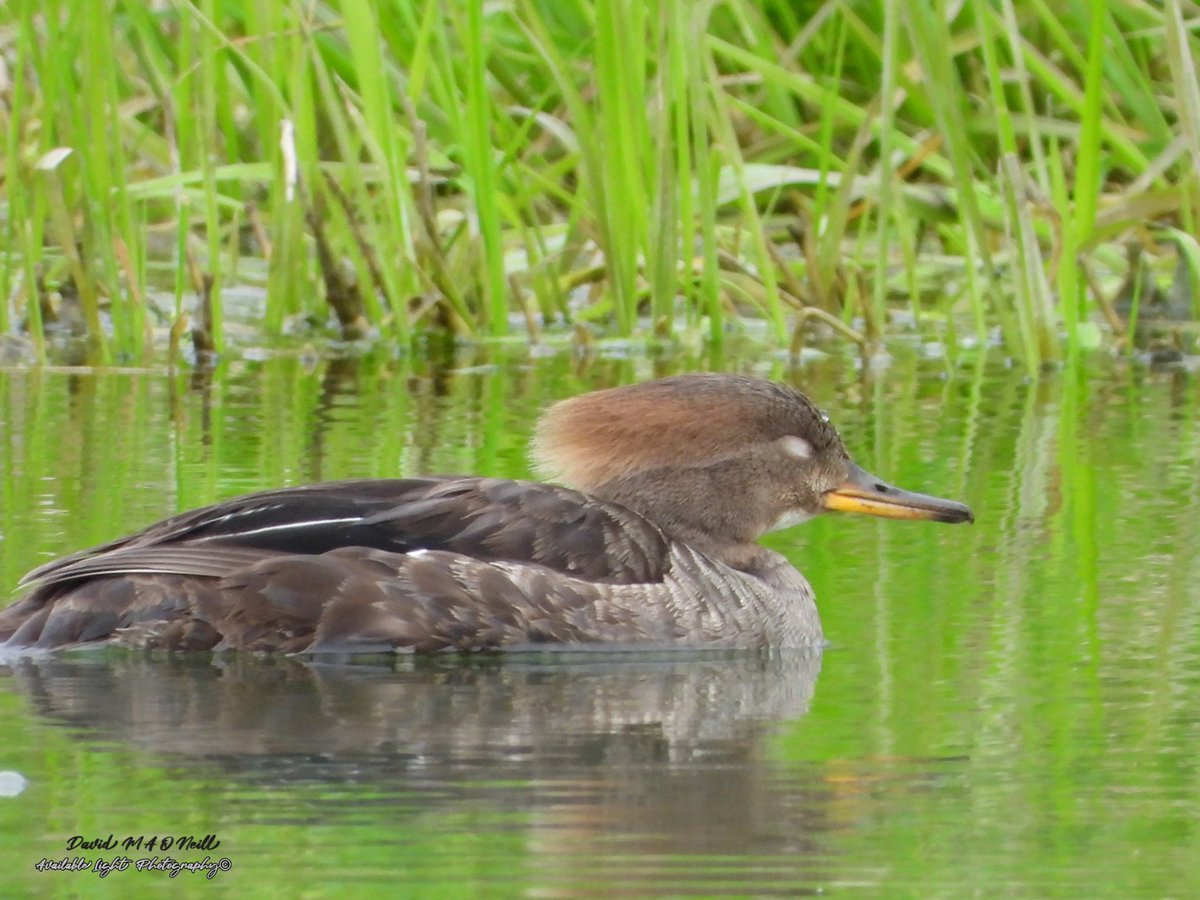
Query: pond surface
x,y
1011,709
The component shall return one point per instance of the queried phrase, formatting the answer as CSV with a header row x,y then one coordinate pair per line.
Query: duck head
x,y
717,460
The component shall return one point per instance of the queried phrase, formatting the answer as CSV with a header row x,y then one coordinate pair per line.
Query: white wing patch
x,y
287,526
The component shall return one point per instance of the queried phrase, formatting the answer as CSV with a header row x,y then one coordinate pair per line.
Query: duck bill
x,y
862,492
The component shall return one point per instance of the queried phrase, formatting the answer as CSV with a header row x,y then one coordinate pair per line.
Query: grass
x,y
382,171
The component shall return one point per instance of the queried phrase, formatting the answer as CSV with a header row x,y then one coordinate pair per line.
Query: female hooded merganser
x,y
674,481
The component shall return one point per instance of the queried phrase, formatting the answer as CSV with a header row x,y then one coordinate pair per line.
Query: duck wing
x,y
418,564
486,519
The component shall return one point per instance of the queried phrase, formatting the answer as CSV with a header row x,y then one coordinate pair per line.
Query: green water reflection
x,y
1008,709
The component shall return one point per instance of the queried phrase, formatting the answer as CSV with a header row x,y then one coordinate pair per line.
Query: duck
x,y
646,534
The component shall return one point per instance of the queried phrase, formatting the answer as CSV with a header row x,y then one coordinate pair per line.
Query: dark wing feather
x,y
515,521
486,519
423,564
306,519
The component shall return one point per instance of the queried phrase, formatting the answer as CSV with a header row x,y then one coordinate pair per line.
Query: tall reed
x,y
385,170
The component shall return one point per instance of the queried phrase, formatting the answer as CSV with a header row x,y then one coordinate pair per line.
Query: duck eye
x,y
796,447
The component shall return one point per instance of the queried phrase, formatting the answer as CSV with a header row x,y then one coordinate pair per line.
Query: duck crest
x,y
681,421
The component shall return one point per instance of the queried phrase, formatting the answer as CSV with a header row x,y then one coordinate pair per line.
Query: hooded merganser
x,y
672,483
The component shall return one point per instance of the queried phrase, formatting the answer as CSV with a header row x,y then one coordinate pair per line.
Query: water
x,y
1010,709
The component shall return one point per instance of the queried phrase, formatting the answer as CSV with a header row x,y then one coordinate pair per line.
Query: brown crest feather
x,y
595,438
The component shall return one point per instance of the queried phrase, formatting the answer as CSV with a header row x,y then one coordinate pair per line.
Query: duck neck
x,y
699,507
